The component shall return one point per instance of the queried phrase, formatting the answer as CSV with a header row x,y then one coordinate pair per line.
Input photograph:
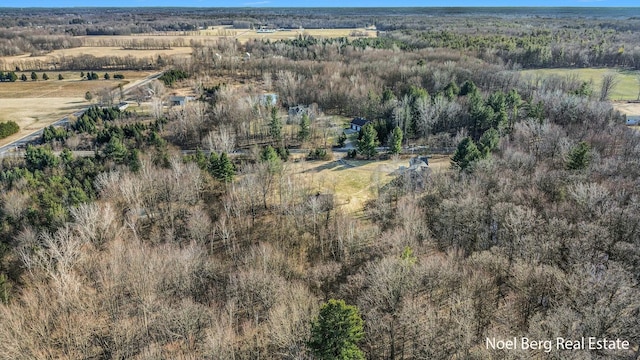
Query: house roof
x,y
633,120
360,121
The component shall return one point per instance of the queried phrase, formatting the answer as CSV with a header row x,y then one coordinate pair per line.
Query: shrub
x,y
8,128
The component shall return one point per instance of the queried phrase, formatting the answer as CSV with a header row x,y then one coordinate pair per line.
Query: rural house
x,y
358,123
633,120
180,100
268,99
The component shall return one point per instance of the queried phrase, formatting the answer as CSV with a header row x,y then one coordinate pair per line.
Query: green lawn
x,y
626,89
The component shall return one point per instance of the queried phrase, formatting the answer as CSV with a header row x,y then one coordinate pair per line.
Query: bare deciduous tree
x,y
609,81
221,140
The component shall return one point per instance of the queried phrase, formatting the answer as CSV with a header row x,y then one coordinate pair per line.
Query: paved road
x,y
34,136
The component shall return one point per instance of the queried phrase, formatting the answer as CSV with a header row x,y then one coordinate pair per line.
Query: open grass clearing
x,y
626,89
354,182
627,108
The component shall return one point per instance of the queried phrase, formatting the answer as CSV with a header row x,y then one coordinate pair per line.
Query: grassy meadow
x,y
626,89
354,182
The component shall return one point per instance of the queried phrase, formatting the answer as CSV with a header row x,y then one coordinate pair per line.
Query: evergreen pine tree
x,y
396,141
466,154
579,157
226,170
336,332
368,142
305,128
275,126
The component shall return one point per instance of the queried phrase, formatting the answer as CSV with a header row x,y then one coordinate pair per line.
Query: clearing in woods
x,y
626,89
354,182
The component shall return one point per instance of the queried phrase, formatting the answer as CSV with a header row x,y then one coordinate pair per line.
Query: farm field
x,y
626,89
9,62
242,35
34,105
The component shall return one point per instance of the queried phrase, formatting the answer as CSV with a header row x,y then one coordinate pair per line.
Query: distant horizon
x,y
279,4
319,6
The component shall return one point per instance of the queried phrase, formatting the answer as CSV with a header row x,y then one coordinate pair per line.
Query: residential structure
x,y
358,123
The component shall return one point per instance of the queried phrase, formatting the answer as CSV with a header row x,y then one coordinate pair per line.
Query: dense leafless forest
x,y
145,251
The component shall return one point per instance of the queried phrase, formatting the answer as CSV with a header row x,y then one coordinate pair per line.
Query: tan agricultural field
x,y
184,38
71,86
34,105
10,62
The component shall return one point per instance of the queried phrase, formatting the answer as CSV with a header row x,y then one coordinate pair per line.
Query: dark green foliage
x,y
10,76
579,156
170,77
269,154
60,77
45,76
23,77
200,159
92,76
488,142
272,158
451,90
39,158
336,332
134,160
396,141
468,88
95,115
388,96
305,128
466,154
52,133
118,76
383,128
116,150
342,139
34,76
107,76
221,167
275,126
8,128
283,153
319,154
368,142
585,89
536,110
